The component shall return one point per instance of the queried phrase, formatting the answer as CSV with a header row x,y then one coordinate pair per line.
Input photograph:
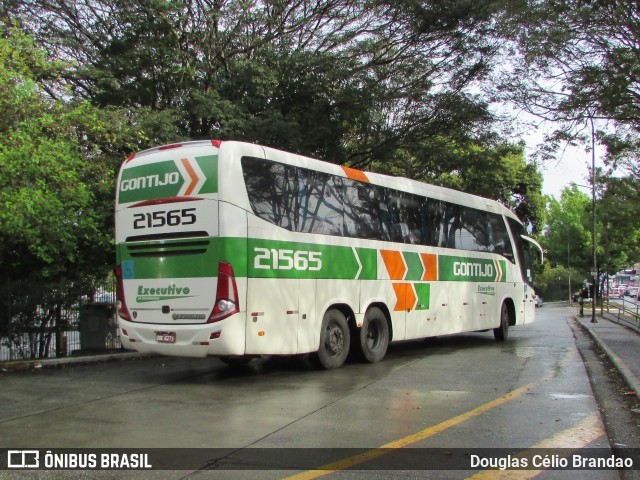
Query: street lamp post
x,y
594,272
593,210
569,271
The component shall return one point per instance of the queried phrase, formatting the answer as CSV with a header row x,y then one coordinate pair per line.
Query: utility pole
x,y
593,209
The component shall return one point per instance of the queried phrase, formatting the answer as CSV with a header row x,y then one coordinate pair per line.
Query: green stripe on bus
x,y
369,259
258,258
466,269
279,259
209,166
415,269
503,265
170,259
148,182
423,292
254,258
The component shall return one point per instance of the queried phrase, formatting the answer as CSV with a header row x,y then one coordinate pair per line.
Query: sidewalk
x,y
22,365
620,343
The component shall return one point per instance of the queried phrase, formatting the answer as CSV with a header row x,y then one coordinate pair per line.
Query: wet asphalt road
x,y
458,392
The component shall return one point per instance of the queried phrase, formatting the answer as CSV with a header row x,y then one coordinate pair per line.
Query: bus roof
x,y
401,183
397,183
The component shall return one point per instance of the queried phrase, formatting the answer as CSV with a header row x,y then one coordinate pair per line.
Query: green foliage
x,y
350,82
56,188
556,283
574,62
500,172
617,214
366,84
568,234
567,238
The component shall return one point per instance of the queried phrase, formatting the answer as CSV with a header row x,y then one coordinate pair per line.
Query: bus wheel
x,y
334,340
502,332
374,335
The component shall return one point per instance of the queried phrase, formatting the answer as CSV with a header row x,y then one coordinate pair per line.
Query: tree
x,y
497,171
56,173
349,81
356,82
567,237
618,218
555,283
576,62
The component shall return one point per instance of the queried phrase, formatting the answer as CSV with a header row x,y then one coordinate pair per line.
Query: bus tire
x,y
374,335
502,332
334,340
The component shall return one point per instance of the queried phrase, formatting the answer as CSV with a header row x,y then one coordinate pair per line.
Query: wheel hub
x,y
335,339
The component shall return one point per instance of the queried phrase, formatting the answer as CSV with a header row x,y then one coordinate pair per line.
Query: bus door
x,y
524,248
526,270
528,250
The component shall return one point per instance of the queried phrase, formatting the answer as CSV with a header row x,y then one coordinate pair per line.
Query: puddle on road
x,y
568,396
529,352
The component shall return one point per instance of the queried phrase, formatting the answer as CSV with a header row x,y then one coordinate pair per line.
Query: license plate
x,y
166,337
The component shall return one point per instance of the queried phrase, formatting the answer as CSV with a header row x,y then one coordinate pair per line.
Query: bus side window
x,y
320,203
432,220
523,250
499,238
473,233
363,217
272,191
451,225
407,222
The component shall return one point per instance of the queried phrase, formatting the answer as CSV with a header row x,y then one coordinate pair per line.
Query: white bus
x,y
237,250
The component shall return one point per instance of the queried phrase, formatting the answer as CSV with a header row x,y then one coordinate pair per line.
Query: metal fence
x,y
626,312
88,326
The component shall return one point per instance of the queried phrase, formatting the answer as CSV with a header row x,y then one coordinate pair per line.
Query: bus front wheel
x,y
334,340
502,332
374,335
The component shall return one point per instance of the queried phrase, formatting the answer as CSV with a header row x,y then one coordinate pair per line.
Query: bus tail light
x,y
121,305
226,294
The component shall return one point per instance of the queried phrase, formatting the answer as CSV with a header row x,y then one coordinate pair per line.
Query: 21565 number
x,y
283,259
161,218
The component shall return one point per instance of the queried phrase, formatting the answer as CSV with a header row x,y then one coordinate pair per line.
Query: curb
x,y
620,365
43,363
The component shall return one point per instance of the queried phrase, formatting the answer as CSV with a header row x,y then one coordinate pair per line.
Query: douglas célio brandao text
x,y
575,461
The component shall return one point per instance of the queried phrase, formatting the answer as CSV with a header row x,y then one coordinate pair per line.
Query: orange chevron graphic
x,y
394,263
356,175
430,262
192,174
406,296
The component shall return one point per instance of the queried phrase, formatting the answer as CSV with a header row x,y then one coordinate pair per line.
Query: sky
x,y
571,165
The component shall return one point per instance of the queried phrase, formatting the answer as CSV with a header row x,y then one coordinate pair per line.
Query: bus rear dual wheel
x,y
371,340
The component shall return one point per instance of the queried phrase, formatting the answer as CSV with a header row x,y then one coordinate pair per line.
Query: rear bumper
x,y
226,337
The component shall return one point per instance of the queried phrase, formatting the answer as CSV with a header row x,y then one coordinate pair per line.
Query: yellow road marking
x,y
579,436
408,440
